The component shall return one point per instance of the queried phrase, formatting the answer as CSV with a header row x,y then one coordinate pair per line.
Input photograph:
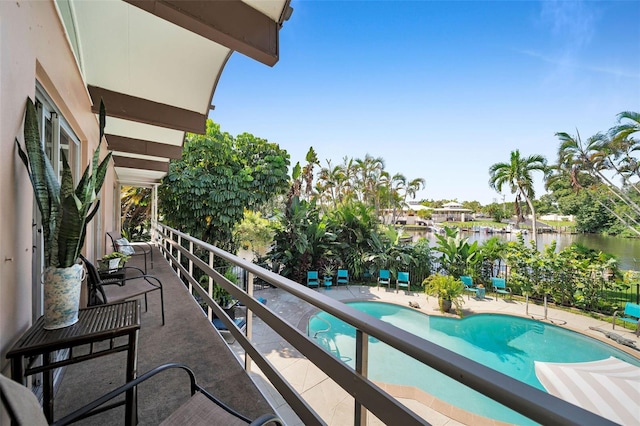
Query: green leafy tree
x,y
388,252
354,226
474,206
496,211
135,204
458,256
517,175
603,156
206,191
492,252
302,242
254,232
590,216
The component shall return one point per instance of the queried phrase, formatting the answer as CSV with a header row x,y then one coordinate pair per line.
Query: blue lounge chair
x,y
312,279
467,281
403,281
500,287
343,277
384,277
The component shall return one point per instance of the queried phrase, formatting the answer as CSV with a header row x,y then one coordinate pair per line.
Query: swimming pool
x,y
505,343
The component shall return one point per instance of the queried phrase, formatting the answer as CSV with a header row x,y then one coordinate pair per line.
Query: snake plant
x,y
65,210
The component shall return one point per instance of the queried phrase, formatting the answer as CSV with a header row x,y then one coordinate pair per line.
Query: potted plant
x,y
328,271
112,261
447,289
66,210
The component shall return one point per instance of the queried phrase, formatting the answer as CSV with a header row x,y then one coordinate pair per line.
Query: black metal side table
x,y
95,324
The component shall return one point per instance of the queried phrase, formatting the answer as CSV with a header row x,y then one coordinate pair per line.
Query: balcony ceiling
x,y
156,64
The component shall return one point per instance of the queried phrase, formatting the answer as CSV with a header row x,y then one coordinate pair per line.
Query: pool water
x,y
505,343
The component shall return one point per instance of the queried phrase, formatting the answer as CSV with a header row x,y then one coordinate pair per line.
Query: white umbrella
x,y
609,387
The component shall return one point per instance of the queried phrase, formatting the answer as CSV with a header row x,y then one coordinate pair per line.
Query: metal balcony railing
x,y
180,250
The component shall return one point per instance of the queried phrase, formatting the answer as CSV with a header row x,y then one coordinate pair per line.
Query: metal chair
x,y
343,277
312,279
129,248
467,281
202,408
130,283
403,281
384,277
500,287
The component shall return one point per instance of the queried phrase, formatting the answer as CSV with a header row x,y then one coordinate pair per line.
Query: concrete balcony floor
x,y
188,337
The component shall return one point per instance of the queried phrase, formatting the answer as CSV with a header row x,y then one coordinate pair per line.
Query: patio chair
x,y
467,281
343,277
131,283
500,287
129,248
384,277
312,279
403,281
202,408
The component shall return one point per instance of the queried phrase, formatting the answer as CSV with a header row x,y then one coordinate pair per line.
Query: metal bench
x,y
631,314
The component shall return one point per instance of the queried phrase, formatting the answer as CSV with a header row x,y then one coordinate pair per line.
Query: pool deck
x,y
334,405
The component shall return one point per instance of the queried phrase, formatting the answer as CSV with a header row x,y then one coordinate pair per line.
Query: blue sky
x,y
439,90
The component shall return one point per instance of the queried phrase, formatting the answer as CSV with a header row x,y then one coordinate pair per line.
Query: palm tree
x,y
593,157
517,174
413,187
135,203
368,173
307,172
624,146
330,182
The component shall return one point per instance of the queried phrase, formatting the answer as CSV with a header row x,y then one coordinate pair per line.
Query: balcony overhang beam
x,y
231,23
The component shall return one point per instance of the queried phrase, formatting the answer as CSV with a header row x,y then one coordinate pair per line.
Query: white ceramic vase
x,y
62,296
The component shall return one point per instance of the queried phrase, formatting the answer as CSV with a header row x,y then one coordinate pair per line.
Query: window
x,y
57,135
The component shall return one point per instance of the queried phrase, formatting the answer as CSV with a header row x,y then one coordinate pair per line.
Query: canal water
x,y
626,250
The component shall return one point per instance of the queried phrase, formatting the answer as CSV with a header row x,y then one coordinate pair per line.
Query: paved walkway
x,y
333,404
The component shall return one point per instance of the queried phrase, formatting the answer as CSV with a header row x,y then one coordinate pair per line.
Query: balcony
x,y
275,340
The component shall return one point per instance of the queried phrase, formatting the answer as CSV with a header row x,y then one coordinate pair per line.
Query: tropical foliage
x,y
447,289
135,204
594,165
254,232
458,256
575,276
206,192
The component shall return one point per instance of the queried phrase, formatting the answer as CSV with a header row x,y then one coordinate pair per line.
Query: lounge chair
x,y
122,245
384,277
467,281
312,279
343,277
630,314
23,408
133,282
500,287
403,281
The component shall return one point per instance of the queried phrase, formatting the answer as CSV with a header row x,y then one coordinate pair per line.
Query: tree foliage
x,y
135,204
517,175
207,191
605,158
